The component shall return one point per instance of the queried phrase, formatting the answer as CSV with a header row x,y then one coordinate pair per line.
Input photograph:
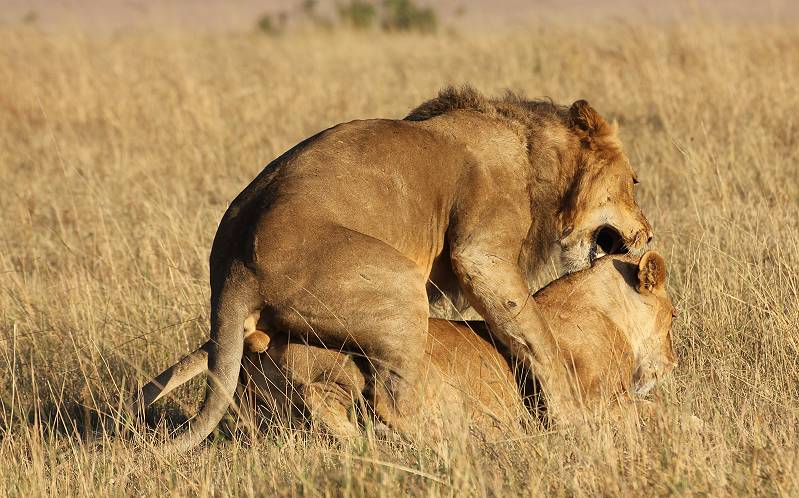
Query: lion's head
x,y
599,214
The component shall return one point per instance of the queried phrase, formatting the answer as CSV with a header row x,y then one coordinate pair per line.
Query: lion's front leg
x,y
497,289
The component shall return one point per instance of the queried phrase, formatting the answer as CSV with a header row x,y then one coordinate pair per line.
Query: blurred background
x,y
244,15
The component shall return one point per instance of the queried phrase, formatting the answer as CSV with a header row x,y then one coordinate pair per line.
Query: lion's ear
x,y
651,272
584,118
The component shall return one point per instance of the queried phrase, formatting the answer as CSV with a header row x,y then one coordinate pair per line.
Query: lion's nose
x,y
648,233
643,235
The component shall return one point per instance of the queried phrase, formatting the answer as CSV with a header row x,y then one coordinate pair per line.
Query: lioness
x,y
338,238
613,327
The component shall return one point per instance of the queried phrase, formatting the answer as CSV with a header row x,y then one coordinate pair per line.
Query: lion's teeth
x,y
599,254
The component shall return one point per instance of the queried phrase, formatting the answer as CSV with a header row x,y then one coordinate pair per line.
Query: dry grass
x,y
119,154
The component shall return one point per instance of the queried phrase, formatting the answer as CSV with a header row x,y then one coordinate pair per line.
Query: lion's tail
x,y
173,377
231,304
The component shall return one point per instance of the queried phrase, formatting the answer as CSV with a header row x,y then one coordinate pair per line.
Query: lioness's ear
x,y
651,272
583,117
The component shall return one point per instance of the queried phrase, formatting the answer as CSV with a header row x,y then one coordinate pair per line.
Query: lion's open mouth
x,y
606,240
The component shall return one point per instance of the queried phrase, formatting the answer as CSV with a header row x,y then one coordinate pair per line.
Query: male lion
x,y
613,326
336,239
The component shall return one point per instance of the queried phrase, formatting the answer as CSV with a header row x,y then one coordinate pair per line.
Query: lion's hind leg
x,y
367,298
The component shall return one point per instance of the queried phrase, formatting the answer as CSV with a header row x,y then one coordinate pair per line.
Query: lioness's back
x,y
473,370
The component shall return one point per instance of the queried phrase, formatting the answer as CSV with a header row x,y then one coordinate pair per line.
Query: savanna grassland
x,y
120,152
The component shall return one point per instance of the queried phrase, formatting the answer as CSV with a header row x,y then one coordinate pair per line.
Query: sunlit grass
x,y
119,155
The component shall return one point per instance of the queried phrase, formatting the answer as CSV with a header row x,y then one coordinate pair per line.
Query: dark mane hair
x,y
511,105
584,123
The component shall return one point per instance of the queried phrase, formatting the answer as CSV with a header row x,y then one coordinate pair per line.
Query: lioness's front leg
x,y
492,279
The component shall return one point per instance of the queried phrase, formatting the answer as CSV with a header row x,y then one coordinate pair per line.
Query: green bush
x,y
359,14
405,15
309,7
267,25
273,24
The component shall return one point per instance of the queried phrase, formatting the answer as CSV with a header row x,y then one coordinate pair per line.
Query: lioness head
x,y
599,214
619,308
653,348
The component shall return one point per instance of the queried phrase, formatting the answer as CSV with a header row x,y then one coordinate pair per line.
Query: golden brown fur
x,y
347,237
612,322
463,380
